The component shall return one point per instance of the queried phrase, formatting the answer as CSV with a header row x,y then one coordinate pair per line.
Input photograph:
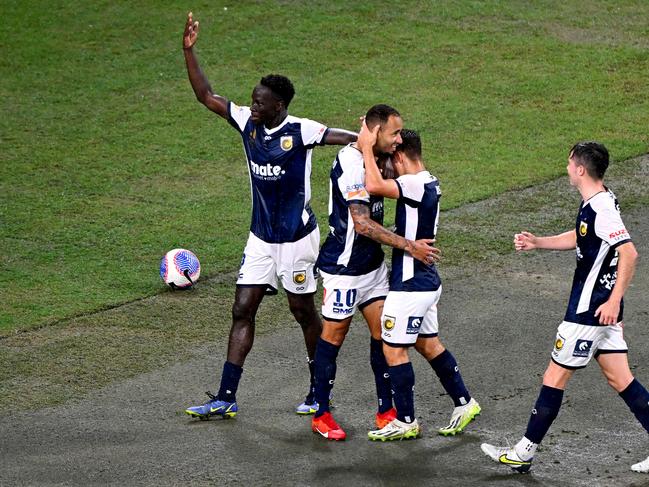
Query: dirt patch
x,y
498,315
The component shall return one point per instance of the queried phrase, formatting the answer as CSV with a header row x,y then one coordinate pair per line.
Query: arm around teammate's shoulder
x,y
339,137
374,182
197,78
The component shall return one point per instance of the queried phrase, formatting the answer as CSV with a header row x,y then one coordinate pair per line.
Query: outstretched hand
x,y
524,241
367,137
191,32
423,251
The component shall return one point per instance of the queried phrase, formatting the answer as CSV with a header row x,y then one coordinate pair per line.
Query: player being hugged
x,y
592,326
284,236
354,275
409,315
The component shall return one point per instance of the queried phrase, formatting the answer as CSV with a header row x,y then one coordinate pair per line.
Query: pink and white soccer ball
x,y
180,268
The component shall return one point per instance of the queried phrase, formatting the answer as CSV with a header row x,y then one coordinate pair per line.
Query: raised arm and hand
x,y
609,311
374,181
197,78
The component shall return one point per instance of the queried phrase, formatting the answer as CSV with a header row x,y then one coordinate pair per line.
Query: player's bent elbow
x,y
371,187
361,227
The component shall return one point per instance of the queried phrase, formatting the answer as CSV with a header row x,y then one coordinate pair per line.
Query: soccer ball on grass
x,y
180,269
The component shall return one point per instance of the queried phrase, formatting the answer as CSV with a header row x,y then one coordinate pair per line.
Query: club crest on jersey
x,y
388,322
583,228
299,277
582,348
414,324
286,142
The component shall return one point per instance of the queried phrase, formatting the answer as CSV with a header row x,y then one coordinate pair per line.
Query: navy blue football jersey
x,y
600,231
279,163
417,216
344,251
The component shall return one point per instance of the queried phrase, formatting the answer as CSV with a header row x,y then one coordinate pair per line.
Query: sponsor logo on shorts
x,y
582,348
414,324
286,142
299,277
389,322
583,228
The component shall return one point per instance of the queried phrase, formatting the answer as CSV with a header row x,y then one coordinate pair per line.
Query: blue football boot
x,y
213,407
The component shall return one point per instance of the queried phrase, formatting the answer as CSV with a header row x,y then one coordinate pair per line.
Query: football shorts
x,y
576,344
292,262
343,295
409,315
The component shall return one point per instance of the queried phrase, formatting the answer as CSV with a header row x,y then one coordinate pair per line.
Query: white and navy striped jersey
x,y
344,251
417,216
279,163
600,231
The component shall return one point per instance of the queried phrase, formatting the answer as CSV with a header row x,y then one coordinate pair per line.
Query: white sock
x,y
525,449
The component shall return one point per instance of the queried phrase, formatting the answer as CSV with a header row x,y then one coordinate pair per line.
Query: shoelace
x,y
211,396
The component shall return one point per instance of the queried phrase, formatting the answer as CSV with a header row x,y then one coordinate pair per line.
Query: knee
x,y
619,383
304,313
335,336
243,314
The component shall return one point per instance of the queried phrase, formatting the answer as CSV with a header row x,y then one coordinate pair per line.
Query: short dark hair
x,y
410,144
379,114
281,87
593,156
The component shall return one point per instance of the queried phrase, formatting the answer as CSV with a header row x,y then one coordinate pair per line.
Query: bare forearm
x,y
371,229
373,178
197,78
626,264
563,241
340,137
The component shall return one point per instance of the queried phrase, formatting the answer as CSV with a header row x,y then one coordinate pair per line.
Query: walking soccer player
x,y
592,326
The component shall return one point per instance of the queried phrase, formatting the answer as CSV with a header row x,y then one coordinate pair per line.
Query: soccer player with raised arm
x,y
284,236
592,326
353,273
410,312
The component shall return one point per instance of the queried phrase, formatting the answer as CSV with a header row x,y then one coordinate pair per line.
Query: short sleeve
x,y
610,228
352,181
312,132
238,116
411,187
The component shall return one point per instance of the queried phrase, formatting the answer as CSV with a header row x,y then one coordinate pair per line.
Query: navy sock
x,y
229,382
449,375
545,411
381,375
637,398
324,373
403,383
